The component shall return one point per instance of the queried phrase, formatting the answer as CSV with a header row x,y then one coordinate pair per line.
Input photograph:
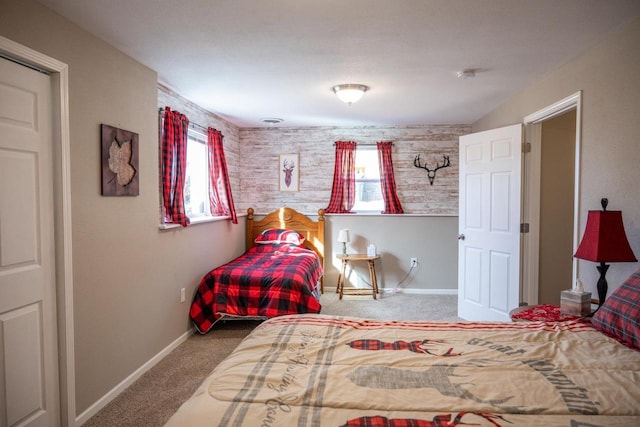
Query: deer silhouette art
x,y
288,167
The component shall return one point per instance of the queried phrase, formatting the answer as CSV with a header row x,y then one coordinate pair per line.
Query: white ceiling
x,y
250,59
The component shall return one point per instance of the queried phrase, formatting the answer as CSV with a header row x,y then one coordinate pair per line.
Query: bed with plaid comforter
x,y
266,281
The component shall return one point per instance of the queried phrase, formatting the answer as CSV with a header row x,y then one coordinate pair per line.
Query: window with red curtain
x,y
387,181
174,155
344,178
220,197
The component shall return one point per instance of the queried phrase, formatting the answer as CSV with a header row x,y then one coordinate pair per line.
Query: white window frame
x,y
194,137
374,178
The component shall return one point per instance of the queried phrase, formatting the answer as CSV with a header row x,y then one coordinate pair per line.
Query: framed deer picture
x,y
289,172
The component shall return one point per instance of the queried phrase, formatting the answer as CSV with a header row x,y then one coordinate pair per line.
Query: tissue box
x,y
578,303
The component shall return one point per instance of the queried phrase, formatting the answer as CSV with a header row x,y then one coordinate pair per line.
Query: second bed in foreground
x,y
317,370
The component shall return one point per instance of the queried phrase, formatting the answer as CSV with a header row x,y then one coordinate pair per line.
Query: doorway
x,y
551,175
556,206
482,296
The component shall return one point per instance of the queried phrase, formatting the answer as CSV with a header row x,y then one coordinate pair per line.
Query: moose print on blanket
x,y
426,346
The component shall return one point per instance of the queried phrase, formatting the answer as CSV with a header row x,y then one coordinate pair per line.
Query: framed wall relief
x,y
289,172
119,155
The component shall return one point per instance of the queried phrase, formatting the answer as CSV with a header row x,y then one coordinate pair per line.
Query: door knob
x,y
460,236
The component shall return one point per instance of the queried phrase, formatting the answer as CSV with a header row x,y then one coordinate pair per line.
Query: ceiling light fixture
x,y
466,74
349,93
272,120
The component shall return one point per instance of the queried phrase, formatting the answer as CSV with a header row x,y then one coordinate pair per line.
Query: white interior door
x,y
489,224
29,394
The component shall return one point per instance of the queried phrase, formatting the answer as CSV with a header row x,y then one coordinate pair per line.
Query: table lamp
x,y
343,237
604,240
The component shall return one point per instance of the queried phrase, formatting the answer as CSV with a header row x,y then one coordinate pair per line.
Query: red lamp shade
x,y
604,239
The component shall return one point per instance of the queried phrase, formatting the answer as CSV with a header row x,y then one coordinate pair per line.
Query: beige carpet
x,y
152,399
393,306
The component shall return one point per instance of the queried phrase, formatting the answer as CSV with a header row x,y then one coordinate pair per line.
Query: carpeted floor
x,y
152,399
393,306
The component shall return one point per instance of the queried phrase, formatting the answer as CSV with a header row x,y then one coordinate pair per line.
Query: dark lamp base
x,y
602,285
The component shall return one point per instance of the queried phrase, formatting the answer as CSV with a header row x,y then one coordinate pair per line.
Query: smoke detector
x,y
466,74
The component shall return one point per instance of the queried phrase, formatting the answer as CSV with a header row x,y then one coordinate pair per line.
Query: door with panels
x,y
29,393
489,224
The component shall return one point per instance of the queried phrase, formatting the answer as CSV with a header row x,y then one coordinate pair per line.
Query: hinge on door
x,y
524,227
526,147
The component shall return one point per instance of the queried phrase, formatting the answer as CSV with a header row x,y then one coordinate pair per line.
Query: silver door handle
x,y
460,236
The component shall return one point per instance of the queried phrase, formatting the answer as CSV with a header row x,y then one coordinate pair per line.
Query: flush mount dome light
x,y
349,93
272,120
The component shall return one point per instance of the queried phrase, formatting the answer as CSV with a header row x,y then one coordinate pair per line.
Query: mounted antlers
x,y
431,173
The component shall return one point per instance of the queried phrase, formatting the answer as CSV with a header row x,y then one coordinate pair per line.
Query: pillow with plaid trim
x,y
280,235
619,316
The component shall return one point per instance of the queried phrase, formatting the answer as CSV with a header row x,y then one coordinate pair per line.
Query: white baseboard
x,y
420,291
408,291
113,393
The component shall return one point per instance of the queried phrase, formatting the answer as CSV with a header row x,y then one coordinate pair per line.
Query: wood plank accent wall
x,y
259,165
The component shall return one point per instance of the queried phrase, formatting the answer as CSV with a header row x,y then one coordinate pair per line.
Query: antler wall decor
x,y
431,173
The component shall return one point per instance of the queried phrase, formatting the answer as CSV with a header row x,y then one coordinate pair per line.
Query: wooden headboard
x,y
289,218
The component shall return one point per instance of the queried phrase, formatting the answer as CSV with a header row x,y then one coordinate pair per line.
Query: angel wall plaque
x,y
119,162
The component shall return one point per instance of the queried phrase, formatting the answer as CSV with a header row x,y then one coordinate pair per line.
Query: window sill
x,y
196,221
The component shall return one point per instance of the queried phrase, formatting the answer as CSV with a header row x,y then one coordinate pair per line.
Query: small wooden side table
x,y
372,274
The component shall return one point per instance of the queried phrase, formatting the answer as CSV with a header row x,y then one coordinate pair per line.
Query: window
x,y
189,162
196,184
368,192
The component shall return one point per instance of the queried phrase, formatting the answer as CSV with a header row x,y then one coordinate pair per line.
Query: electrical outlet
x,y
182,295
414,262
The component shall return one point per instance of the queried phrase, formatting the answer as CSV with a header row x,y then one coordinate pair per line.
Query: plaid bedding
x,y
268,281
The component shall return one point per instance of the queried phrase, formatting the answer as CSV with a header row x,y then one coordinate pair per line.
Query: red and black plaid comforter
x,y
268,280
